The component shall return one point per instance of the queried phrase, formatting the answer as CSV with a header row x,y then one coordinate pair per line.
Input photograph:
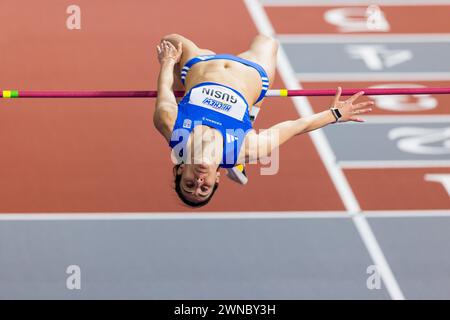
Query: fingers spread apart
x,y
361,108
355,96
361,111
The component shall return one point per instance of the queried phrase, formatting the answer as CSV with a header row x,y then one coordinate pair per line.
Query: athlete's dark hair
x,y
181,195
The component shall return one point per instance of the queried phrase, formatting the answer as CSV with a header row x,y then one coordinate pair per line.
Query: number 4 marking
x,y
377,57
444,179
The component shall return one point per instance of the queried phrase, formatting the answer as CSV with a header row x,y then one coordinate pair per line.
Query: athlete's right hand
x,y
167,51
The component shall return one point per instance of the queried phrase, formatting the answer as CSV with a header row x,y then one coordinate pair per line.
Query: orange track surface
x,y
105,155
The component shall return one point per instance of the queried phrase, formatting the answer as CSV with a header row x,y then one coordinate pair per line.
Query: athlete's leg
x,y
263,50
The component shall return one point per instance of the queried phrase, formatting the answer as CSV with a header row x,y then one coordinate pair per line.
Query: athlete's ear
x,y
180,169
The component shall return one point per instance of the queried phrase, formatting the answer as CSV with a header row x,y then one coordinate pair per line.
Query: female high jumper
x,y
210,127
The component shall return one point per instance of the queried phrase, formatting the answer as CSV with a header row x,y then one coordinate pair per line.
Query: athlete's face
x,y
198,180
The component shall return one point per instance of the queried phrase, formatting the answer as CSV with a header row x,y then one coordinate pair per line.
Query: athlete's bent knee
x,y
266,38
172,36
268,41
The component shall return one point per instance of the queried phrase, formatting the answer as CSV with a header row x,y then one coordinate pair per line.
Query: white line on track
x,y
372,76
408,214
334,3
264,26
394,164
373,38
174,215
409,118
256,215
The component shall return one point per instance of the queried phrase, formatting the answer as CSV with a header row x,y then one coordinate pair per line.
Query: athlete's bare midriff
x,y
242,78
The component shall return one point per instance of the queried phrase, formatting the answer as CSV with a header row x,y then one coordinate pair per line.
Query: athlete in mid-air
x,y
210,127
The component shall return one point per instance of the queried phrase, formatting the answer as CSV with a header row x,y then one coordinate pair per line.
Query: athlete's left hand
x,y
350,110
167,51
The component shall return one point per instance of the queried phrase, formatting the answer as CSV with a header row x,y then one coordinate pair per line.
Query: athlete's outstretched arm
x,y
166,103
266,141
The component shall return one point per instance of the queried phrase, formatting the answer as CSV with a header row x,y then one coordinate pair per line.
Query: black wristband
x,y
336,113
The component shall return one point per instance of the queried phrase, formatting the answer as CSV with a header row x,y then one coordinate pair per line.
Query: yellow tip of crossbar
x,y
10,94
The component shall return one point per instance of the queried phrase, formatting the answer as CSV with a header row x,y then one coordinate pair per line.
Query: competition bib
x,y
219,99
